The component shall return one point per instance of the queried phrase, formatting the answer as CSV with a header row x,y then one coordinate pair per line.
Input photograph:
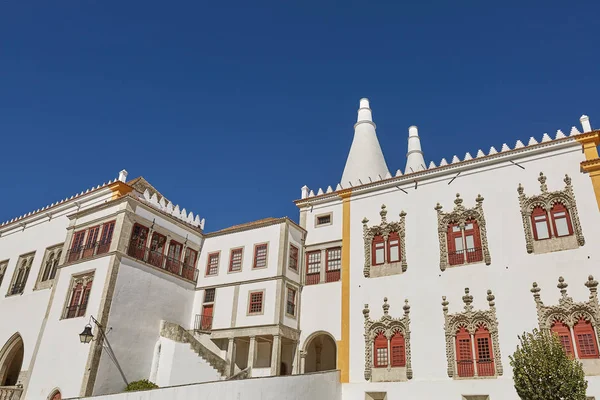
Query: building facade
x,y
412,286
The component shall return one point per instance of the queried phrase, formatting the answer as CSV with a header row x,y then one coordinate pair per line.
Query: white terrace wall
x,y
321,386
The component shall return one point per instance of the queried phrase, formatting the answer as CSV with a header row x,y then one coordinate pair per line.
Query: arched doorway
x,y
55,395
321,353
11,361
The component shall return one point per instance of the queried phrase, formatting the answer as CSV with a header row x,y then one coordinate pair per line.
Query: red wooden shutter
x,y
397,344
455,256
174,257
541,215
84,299
485,355
464,353
207,316
474,254
106,237
157,248
378,244
564,335
557,213
585,339
393,244
90,243
380,351
74,303
137,244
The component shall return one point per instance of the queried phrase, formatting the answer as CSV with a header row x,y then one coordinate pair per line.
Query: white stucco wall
x,y
142,298
269,300
509,276
296,387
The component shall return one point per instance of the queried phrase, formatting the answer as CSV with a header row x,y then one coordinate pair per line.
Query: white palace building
x,y
407,285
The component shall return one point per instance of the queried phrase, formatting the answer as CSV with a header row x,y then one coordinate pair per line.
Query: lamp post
x,y
87,336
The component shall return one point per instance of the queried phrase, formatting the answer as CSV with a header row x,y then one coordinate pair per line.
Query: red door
x,y
207,314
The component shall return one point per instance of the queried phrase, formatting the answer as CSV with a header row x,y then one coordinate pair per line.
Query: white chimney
x,y
585,123
304,192
414,157
123,176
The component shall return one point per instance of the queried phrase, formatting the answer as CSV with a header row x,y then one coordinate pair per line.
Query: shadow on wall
x,y
321,353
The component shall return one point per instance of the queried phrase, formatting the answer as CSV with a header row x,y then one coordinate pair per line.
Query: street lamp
x,y
87,336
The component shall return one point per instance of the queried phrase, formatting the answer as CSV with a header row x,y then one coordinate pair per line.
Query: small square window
x,y
260,256
255,303
212,265
321,220
293,263
291,302
235,260
209,295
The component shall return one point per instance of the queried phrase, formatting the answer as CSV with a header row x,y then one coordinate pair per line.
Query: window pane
x,y
394,254
542,230
458,243
455,228
562,228
379,256
468,226
470,242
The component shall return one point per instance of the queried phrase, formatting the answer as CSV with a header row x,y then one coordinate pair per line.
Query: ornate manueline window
x,y
472,344
49,267
575,324
385,252
81,286
462,234
387,346
3,266
17,286
550,219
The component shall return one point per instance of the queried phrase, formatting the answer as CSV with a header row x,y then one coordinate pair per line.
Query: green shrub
x,y
143,384
543,371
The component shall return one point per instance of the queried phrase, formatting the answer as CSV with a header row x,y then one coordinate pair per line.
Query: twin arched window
x,y
481,344
584,335
464,243
383,251
396,345
51,266
556,224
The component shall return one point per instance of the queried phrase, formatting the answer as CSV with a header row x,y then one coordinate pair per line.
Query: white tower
x,y
414,157
365,159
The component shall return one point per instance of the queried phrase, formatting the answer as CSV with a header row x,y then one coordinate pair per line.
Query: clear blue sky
x,y
229,107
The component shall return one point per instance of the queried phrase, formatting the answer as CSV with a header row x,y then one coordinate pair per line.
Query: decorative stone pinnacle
x,y
386,306
536,292
445,304
468,300
592,285
383,214
402,214
562,285
458,201
365,220
479,199
406,307
542,180
491,298
520,189
366,311
567,180
438,207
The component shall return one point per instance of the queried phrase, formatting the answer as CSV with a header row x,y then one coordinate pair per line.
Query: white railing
x,y
10,392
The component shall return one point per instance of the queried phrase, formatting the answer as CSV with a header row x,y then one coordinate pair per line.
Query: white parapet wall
x,y
318,386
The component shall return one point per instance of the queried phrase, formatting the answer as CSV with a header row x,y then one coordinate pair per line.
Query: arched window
x,y
393,247
585,339
378,250
540,224
485,355
564,335
381,351
55,265
464,353
55,395
48,267
561,221
397,345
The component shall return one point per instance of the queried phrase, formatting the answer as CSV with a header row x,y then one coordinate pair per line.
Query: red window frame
x,y
137,243
538,212
156,252
558,208
585,339
108,229
474,254
212,264
293,262
380,343
464,353
313,268
398,346
291,302
485,352
173,263
455,258
90,242
260,260
255,303
77,243
190,257
391,237
564,335
333,264
233,254
377,244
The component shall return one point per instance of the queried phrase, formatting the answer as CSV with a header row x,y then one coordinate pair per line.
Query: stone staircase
x,y
177,333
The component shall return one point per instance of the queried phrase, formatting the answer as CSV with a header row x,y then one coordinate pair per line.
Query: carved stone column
x,y
275,355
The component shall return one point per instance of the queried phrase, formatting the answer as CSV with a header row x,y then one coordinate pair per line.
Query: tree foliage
x,y
543,371
143,384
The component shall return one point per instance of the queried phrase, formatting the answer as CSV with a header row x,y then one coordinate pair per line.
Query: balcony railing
x,y
332,276
313,279
203,323
10,392
485,367
75,311
163,262
465,368
87,251
474,254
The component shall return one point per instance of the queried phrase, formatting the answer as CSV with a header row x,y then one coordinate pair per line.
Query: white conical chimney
x,y
365,159
414,157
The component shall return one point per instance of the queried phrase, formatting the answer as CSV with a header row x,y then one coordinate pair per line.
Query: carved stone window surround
x,y
471,320
384,229
546,200
461,215
389,326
